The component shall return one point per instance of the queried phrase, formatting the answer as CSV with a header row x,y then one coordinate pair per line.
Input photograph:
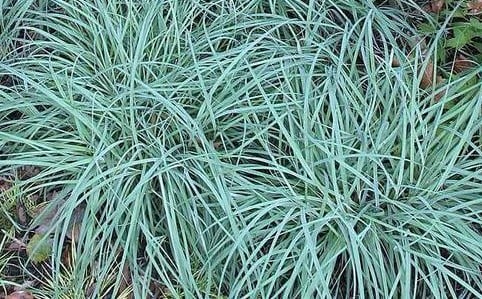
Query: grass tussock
x,y
247,149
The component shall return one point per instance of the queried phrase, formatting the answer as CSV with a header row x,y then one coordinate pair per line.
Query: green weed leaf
x,y
462,36
39,248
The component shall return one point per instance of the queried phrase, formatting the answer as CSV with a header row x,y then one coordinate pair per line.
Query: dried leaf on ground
x,y
5,184
16,245
474,6
48,215
20,295
22,214
428,80
462,64
441,93
436,6
28,172
125,288
428,76
395,62
45,221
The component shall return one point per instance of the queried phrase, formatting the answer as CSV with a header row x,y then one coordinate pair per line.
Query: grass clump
x,y
251,149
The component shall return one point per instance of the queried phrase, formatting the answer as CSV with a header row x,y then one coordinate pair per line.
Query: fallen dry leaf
x,y
46,220
474,6
22,214
126,281
395,62
20,295
48,215
441,93
5,184
436,6
462,64
16,245
428,80
427,77
28,172
125,284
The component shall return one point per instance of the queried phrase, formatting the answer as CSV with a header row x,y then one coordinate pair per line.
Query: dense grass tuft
x,y
249,149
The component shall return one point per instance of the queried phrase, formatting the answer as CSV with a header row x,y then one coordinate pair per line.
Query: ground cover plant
x,y
236,149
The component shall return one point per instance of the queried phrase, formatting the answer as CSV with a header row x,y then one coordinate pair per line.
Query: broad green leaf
x,y
462,36
39,248
475,24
